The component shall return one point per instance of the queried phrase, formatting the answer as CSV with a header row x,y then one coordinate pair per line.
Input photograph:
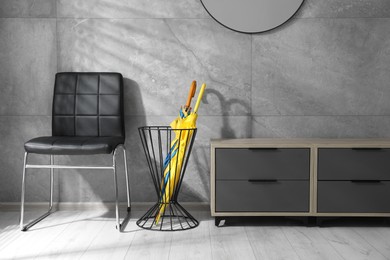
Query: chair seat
x,y
69,145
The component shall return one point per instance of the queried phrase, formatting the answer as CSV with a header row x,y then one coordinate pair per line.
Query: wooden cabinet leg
x,y
217,221
319,221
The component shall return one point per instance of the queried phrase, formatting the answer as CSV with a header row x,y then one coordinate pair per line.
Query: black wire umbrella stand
x,y
156,142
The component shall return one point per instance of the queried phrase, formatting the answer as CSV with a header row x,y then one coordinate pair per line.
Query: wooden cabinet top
x,y
300,142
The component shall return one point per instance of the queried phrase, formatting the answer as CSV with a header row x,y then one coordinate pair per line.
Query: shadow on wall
x,y
133,99
227,131
200,156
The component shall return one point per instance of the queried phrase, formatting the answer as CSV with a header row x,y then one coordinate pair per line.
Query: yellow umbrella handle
x,y
199,97
191,94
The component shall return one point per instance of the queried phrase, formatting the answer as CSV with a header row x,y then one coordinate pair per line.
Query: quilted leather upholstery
x,y
87,115
72,145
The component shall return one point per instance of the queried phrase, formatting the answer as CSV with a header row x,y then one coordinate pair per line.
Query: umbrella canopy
x,y
183,127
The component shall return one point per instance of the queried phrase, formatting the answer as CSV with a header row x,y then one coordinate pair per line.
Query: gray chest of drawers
x,y
300,177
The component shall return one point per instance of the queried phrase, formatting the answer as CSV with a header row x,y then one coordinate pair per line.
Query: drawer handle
x,y
366,181
367,149
262,180
263,149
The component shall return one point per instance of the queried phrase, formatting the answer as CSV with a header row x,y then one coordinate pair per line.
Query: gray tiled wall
x,y
325,73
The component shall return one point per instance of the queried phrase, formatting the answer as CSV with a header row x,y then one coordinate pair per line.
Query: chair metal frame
x,y
52,166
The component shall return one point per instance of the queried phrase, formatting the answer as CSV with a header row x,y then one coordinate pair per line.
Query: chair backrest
x,y
88,104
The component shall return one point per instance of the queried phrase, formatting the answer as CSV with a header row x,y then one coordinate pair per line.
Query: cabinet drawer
x,y
354,197
245,196
353,164
264,163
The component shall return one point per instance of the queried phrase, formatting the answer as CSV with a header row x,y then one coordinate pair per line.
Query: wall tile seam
x,y
57,47
323,115
266,115
134,18
185,18
340,18
56,35
269,115
25,116
221,116
251,80
27,18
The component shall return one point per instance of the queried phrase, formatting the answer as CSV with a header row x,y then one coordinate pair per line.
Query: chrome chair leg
x,y
51,182
23,191
118,225
35,221
127,180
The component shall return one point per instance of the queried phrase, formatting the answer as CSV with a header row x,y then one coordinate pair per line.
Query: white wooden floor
x,y
91,235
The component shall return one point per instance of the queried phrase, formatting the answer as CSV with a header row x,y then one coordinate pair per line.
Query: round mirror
x,y
251,16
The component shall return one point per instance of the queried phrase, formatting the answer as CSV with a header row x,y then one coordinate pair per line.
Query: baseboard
x,y
15,206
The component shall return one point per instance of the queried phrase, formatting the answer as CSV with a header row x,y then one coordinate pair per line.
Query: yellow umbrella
x,y
183,127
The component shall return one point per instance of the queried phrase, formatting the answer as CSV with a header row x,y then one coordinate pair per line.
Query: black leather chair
x,y
87,118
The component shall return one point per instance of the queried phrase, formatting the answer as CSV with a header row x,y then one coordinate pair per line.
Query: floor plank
x,y
269,242
193,243
230,242
349,244
8,218
73,241
9,229
12,238
110,244
148,244
377,237
308,243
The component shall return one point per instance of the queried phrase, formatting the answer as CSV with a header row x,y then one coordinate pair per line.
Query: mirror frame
x,y
256,32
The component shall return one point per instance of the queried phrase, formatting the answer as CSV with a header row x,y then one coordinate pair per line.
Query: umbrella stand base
x,y
174,218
